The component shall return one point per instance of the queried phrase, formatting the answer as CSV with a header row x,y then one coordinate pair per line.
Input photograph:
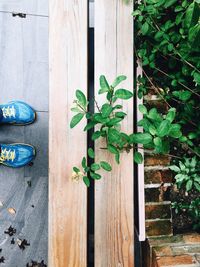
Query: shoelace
x,y
9,111
7,155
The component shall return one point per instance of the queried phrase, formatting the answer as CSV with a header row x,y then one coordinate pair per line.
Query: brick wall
x,y
158,179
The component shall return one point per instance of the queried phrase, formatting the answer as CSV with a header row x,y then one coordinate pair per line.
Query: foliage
x,y
159,129
188,173
167,43
192,209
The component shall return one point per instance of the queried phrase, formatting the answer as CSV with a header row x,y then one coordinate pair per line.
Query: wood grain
x,y
114,193
68,72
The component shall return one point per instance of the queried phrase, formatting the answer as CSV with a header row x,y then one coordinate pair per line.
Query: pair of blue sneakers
x,y
19,154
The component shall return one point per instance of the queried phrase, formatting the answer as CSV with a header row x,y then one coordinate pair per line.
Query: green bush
x,y
167,43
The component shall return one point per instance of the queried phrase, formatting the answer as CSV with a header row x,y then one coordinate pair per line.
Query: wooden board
x,y
68,72
114,193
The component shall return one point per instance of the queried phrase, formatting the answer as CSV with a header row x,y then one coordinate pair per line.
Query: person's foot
x,y
16,112
16,155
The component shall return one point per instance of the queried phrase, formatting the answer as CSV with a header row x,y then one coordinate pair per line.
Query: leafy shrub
x,y
167,43
192,209
188,173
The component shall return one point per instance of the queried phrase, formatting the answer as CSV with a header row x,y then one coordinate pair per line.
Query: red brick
x,y
156,228
157,241
159,104
176,260
192,238
158,176
156,160
158,211
152,194
158,194
163,251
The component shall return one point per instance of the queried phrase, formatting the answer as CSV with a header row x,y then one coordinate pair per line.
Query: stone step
x,y
177,251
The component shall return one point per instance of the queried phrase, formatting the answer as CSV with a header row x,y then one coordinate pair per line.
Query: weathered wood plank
x,y
68,72
114,193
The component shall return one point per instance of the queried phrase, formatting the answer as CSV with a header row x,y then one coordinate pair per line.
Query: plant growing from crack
x,y
159,129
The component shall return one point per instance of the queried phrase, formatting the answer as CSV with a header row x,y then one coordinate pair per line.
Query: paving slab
x,y
39,7
24,76
24,60
37,134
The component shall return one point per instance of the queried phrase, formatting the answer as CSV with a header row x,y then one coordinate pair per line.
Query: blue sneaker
x,y
16,155
16,112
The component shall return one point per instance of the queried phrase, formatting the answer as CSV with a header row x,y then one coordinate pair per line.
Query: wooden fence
x,y
114,220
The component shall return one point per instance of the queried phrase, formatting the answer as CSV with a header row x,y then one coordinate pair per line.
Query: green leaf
x,y
112,149
197,77
95,176
123,94
138,158
143,109
192,15
120,114
154,115
182,95
117,107
86,181
106,166
91,153
136,13
117,158
189,185
152,130
118,80
157,141
197,186
95,167
96,135
141,138
171,114
106,110
99,118
169,3
170,47
174,168
114,122
113,135
76,119
81,98
145,28
76,109
194,35
163,128
175,131
83,163
90,125
104,85
76,170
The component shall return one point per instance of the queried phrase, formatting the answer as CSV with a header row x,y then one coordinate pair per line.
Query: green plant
x,y
187,173
167,43
192,209
159,129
